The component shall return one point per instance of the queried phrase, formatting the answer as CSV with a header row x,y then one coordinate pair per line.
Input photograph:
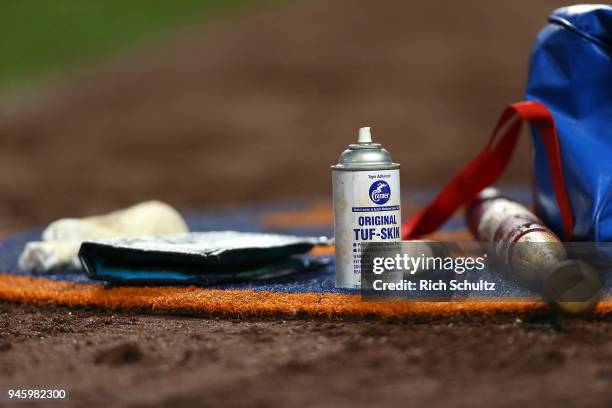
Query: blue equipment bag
x,y
569,109
571,74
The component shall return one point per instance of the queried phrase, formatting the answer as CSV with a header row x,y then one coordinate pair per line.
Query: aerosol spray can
x,y
366,189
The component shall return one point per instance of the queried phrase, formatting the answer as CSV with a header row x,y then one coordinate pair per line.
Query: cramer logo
x,y
380,192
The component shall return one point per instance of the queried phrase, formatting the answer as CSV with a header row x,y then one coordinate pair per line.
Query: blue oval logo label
x,y
380,192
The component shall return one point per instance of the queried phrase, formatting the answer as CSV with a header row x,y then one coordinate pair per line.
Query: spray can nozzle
x,y
365,136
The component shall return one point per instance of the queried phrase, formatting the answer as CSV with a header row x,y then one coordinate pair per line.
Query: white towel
x,y
62,239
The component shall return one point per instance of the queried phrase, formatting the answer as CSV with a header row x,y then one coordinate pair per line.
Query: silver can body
x,y
367,207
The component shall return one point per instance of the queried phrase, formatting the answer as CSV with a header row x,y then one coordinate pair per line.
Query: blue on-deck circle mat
x,y
251,218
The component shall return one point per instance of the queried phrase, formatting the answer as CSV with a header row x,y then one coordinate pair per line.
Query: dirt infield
x,y
256,108
132,360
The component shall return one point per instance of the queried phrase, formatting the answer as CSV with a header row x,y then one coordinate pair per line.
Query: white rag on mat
x,y
62,239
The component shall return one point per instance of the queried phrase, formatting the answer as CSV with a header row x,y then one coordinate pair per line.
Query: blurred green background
x,y
40,36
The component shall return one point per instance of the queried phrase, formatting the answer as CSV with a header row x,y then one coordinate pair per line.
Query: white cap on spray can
x,y
365,136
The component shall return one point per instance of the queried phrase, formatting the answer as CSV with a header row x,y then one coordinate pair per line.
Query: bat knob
x,y
573,287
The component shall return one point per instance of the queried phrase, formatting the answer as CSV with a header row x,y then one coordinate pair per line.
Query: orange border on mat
x,y
26,289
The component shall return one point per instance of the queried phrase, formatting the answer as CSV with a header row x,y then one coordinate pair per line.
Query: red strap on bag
x,y
484,169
